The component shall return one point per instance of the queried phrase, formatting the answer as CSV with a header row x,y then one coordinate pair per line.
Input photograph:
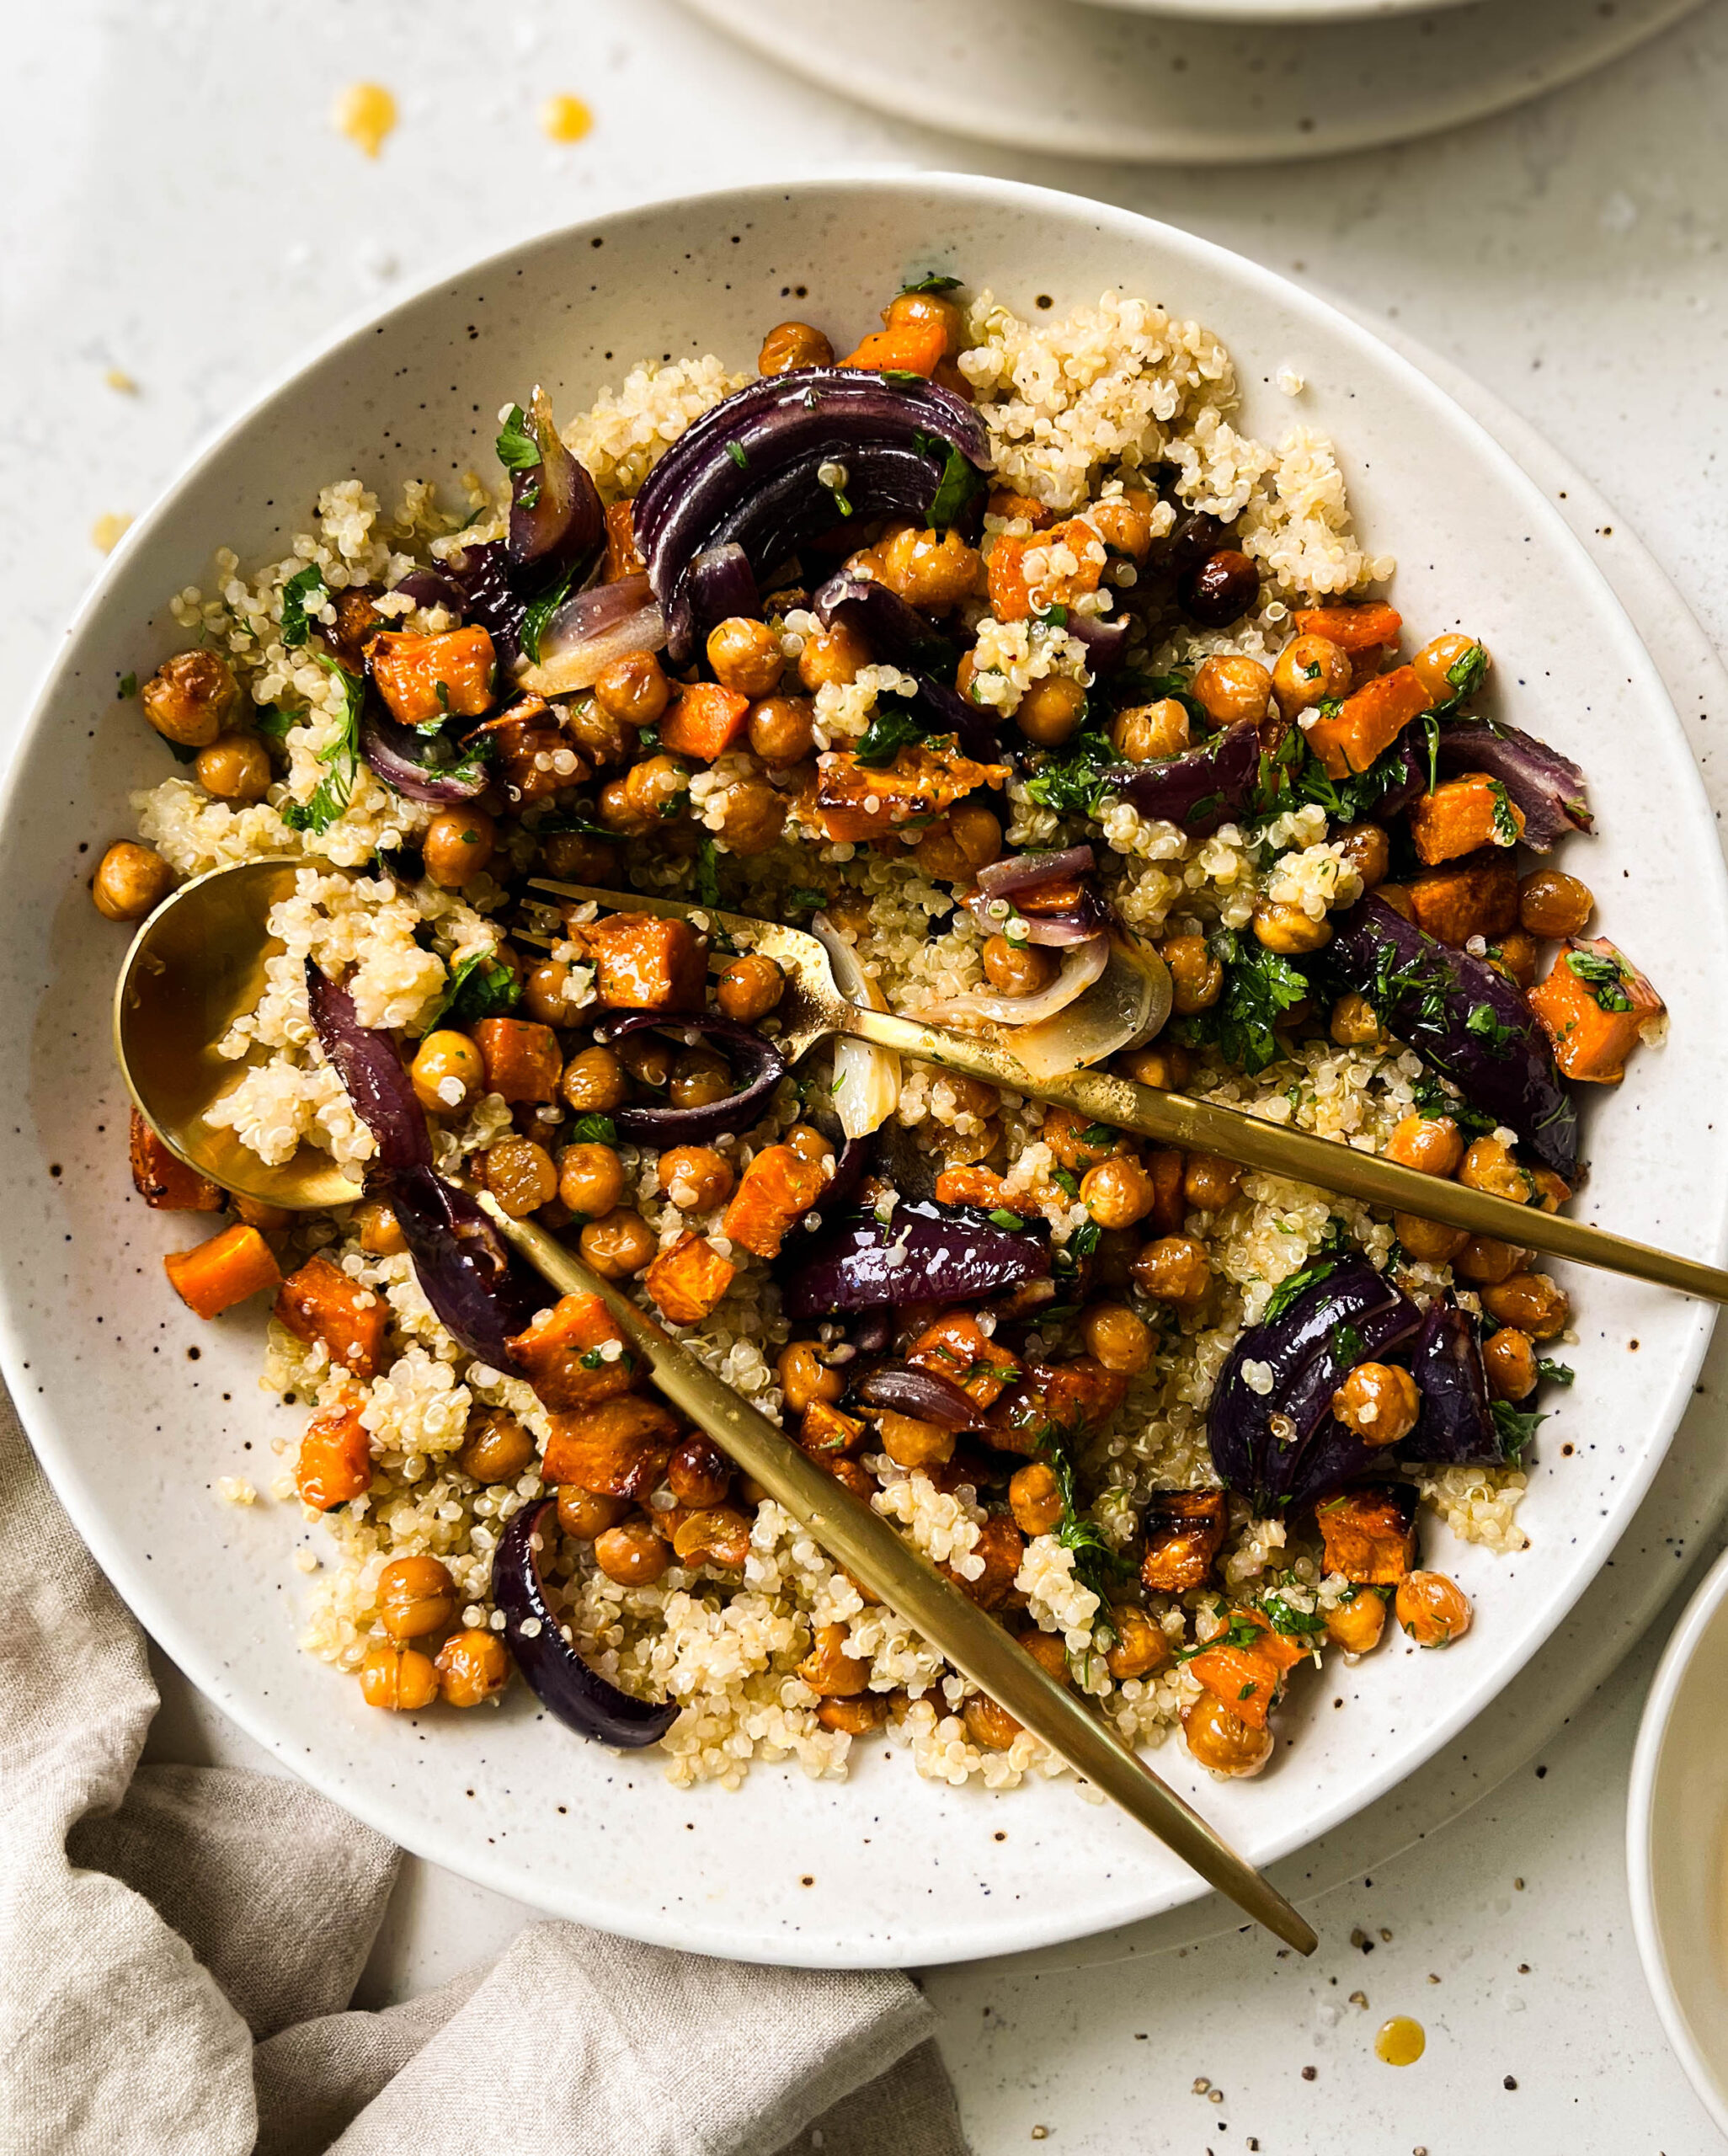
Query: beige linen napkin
x,y
178,1947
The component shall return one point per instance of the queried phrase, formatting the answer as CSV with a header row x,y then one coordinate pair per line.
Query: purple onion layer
x,y
927,1253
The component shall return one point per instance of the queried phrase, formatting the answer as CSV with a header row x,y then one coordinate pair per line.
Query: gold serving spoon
x,y
198,962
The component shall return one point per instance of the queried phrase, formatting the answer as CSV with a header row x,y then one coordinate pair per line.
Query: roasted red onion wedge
x,y
738,1111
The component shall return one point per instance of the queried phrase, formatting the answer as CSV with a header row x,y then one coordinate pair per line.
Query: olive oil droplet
x,y
565,119
1400,2041
365,113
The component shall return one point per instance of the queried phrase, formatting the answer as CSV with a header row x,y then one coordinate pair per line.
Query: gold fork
x,y
813,1009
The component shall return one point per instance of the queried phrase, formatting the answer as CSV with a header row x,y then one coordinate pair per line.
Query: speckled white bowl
x,y
1677,1841
136,1408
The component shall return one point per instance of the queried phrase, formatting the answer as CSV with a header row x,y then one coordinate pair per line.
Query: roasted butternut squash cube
x,y
321,1302
1464,815
1367,722
1184,1531
956,1347
644,964
853,803
618,1448
703,721
1001,1545
564,1357
165,1182
687,1281
1592,1006
825,1429
1370,1532
777,1188
1362,628
1056,1402
425,679
214,1276
623,555
521,1059
531,753
1474,897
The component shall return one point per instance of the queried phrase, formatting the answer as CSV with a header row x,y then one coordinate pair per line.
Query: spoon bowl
x,y
196,964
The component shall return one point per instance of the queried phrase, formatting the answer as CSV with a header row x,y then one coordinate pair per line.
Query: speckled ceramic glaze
x,y
137,1408
1221,82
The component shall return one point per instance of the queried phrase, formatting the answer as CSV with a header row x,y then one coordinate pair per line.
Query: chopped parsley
x,y
1293,774
1604,977
707,873
1073,1254
903,378
301,595
480,987
1482,1025
1346,1343
803,901
1516,1426
129,685
274,723
1259,987
1098,1565
1429,1099
1299,1283
1066,1180
1555,1373
895,726
517,448
341,760
934,282
1505,823
1293,1624
740,455
1070,785
1002,1217
960,481
594,1130
540,612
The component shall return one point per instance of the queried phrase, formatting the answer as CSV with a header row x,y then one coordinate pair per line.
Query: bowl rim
x,y
182,1642
1701,1613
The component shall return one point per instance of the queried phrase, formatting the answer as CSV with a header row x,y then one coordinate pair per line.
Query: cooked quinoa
x,y
1110,440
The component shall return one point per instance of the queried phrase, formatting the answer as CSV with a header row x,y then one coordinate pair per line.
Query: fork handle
x,y
1199,1126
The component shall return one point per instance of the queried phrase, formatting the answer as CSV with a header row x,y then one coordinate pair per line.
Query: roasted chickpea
x,y
854,1717
550,993
619,1245
520,1175
648,1060
1231,688
1124,523
1141,1648
931,570
234,767
1509,1356
809,1144
593,1082
699,1474
591,1180
630,1553
1118,1192
586,1514
1489,1166
1552,1191
715,1534
1515,955
1434,662
1368,850
752,816
745,656
1486,1259
831,1670
990,1727
380,1230
1195,976
1145,733
1432,1609
1221,1741
1532,1302
791,345
129,881
1356,1624
576,858
956,846
805,1378
1430,1242
1174,1269
1307,670
633,689
1049,1651
1050,711
1169,1068
699,1078
400,1679
1288,929
1434,1144
1552,904
832,656
911,1442
695,1177
781,729
268,1219
458,844
1208,1183
645,798
919,307
498,1448
1116,1337
1379,1402
1352,1022
1018,968
602,738
415,1595
472,1668
447,1073
1035,1499
189,696
750,988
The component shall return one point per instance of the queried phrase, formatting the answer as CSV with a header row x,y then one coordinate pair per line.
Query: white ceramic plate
x,y
1075,80
886,1869
1677,1841
1234,13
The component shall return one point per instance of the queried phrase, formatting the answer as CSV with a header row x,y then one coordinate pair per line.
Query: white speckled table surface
x,y
174,206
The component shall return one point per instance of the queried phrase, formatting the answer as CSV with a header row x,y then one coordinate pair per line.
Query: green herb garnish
x,y
960,481
1259,987
129,685
707,873
740,455
301,595
1517,1425
517,448
1505,825
594,1130
1603,976
934,282
1555,1373
539,613
478,988
894,725
1002,1217
1482,1025
341,760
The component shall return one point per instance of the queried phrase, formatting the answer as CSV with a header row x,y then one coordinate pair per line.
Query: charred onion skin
x,y
559,1679
1456,1427
1429,995
1198,790
952,1253
1550,789
372,1074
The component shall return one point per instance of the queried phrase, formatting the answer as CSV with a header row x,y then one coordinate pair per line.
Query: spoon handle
x,y
1201,1126
863,1542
